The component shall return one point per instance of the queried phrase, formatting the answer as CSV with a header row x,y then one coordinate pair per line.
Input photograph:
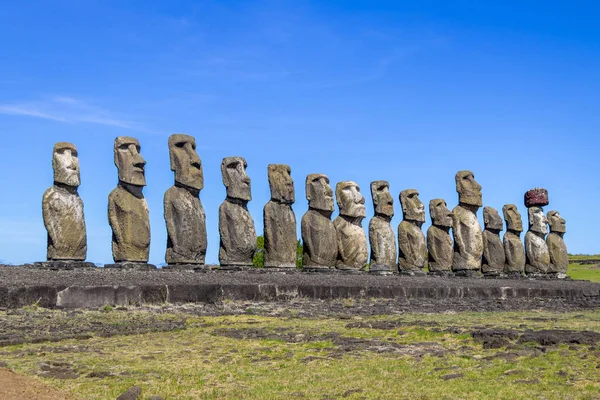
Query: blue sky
x,y
410,92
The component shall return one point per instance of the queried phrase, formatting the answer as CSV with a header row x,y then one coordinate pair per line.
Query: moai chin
x,y
279,219
353,251
468,239
536,248
318,233
381,235
559,257
127,207
494,258
439,242
513,245
412,247
236,226
62,210
184,214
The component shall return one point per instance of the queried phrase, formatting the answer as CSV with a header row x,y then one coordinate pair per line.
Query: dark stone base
x,y
416,272
131,266
184,267
468,273
235,267
441,274
282,270
316,269
348,271
63,265
383,269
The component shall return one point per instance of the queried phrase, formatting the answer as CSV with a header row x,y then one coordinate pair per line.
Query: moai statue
x,y
439,242
381,235
184,214
513,246
62,209
127,208
280,220
353,253
318,233
536,250
411,240
236,226
493,250
468,239
559,257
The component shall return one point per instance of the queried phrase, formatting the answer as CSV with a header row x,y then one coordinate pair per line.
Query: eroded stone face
x,y
235,179
412,207
281,183
350,201
129,161
381,235
440,215
185,161
469,191
383,202
318,193
537,220
512,218
280,220
65,163
439,242
559,256
493,250
62,208
351,238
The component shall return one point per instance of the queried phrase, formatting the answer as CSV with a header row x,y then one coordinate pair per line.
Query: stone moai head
x,y
65,163
319,193
469,191
383,202
349,199
129,161
556,222
412,207
440,215
281,183
185,161
235,179
512,218
492,220
537,220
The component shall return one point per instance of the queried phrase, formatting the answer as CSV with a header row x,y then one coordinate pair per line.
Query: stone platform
x,y
81,288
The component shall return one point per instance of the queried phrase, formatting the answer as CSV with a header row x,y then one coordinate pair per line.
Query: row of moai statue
x,y
340,244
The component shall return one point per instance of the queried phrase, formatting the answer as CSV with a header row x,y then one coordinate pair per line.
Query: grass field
x,y
590,272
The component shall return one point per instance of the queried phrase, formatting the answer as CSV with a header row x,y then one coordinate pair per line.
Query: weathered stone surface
x,y
184,214
559,257
62,207
536,249
280,220
513,245
127,208
319,236
236,226
351,239
493,249
412,247
537,197
381,235
439,242
468,239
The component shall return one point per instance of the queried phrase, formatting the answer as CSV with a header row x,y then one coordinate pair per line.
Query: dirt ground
x,y
18,387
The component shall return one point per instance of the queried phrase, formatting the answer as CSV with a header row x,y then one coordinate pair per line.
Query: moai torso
x,y
186,227
319,240
63,217
352,244
493,253
514,253
238,236
129,220
412,253
537,254
383,244
280,235
468,240
439,245
557,248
